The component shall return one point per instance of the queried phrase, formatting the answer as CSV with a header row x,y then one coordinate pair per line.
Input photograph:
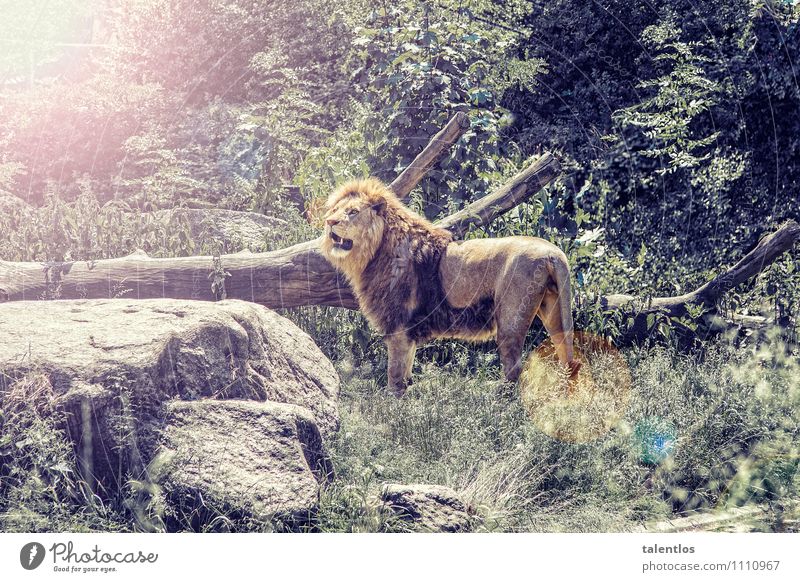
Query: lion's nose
x,y
331,222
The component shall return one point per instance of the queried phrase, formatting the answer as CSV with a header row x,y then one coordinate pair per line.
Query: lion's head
x,y
355,221
389,253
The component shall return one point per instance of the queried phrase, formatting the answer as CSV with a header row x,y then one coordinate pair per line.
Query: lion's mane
x,y
396,279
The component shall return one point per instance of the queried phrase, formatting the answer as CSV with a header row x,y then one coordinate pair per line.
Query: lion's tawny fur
x,y
413,282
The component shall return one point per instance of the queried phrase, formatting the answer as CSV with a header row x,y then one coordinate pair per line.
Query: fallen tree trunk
x,y
291,277
768,249
298,275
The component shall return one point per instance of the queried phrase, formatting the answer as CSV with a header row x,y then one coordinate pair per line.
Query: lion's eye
x,y
352,212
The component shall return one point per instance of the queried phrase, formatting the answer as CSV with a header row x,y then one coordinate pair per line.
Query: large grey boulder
x,y
263,460
154,350
428,508
120,369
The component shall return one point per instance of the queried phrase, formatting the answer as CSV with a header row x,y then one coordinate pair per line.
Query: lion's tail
x,y
560,274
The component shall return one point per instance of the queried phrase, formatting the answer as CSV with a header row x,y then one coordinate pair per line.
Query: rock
x,y
117,368
262,460
157,349
232,230
428,507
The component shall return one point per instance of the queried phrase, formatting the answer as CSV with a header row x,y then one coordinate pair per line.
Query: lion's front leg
x,y
401,359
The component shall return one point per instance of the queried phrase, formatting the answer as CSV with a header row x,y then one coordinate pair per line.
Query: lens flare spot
x,y
655,439
582,409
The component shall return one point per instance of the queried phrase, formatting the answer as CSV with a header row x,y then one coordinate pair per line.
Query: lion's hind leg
x,y
513,317
560,332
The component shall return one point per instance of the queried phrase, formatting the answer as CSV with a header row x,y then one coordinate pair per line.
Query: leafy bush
x,y
85,230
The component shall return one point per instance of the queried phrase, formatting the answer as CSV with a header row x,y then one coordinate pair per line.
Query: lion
x,y
413,282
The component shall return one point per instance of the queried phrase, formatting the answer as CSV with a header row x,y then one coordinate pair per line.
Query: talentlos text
x,y
676,549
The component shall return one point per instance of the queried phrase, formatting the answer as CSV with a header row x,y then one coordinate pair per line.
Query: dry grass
x,y
580,410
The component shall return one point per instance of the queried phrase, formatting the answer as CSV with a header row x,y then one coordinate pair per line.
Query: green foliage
x,y
696,167
58,136
85,230
417,66
153,109
681,95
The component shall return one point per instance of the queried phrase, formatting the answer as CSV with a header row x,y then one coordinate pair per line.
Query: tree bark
x,y
763,255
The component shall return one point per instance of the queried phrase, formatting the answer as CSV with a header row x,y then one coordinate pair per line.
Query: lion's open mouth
x,y
345,244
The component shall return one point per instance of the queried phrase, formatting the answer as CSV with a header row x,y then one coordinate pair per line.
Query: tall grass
x,y
40,485
731,420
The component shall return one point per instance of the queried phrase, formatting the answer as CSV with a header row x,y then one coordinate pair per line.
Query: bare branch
x,y
517,190
762,256
433,152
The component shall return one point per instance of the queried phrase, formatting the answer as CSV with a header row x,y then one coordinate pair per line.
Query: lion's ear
x,y
378,207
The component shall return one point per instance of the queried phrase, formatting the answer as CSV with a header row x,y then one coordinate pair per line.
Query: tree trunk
x,y
762,256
